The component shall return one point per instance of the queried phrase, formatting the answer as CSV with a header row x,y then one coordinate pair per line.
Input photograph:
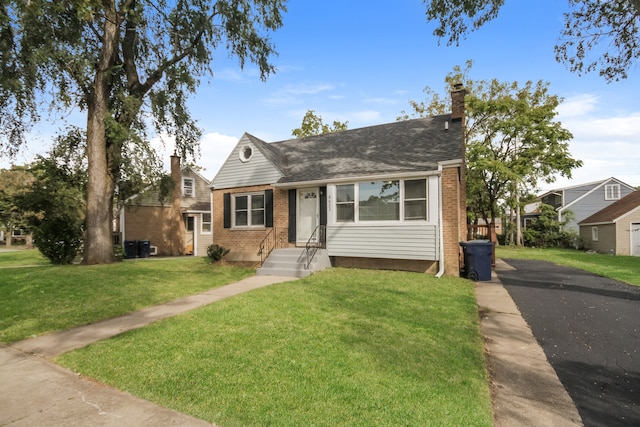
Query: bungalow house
x,y
387,196
615,229
581,200
178,225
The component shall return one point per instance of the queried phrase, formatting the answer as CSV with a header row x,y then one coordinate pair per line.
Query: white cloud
x,y
363,118
294,93
215,148
577,106
237,75
383,101
607,146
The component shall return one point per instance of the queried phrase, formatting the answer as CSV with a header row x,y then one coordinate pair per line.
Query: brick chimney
x,y
177,224
457,102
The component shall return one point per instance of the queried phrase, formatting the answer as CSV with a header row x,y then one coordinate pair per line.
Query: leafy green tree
x,y
512,140
56,202
546,231
130,65
312,125
13,183
605,30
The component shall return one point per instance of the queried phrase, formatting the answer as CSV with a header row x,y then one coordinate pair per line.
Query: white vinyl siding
x,y
416,242
256,170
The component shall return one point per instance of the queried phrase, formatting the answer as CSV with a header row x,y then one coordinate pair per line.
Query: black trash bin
x,y
144,248
477,259
130,248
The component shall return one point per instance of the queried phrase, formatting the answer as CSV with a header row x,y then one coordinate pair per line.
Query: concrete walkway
x,y
525,388
35,391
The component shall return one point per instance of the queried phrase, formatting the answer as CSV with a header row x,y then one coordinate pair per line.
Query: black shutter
x,y
227,210
292,215
268,208
323,205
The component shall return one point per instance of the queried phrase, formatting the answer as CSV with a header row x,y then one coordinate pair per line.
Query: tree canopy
x,y
13,183
312,125
512,139
130,65
597,36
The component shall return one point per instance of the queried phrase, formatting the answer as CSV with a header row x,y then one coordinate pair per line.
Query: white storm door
x,y
635,239
308,214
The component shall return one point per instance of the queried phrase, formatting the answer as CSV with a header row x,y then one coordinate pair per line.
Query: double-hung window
x,y
345,203
206,222
415,199
612,192
188,187
249,210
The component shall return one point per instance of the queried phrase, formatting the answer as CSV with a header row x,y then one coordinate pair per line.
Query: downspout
x,y
440,222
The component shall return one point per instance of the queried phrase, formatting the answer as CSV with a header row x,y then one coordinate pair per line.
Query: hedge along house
x,y
387,196
178,224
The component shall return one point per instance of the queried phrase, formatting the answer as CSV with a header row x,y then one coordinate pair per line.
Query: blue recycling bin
x,y
144,248
130,249
477,259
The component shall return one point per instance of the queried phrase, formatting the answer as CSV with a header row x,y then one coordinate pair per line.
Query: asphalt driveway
x,y
589,329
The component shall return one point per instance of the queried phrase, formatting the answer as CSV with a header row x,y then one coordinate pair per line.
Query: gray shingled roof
x,y
615,210
200,206
400,147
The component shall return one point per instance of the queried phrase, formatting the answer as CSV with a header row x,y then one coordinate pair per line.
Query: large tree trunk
x,y
98,247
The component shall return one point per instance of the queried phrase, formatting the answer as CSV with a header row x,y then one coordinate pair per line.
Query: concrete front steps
x,y
289,262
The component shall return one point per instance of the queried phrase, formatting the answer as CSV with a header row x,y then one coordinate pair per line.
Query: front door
x,y
189,236
308,214
635,239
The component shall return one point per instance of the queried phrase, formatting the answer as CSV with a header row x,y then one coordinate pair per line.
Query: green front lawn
x,y
46,298
340,348
19,257
623,268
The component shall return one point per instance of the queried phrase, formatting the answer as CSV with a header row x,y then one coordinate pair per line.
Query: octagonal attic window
x,y
245,154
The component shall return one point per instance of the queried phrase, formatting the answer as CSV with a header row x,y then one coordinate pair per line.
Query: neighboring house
x,y
179,225
386,196
581,200
615,229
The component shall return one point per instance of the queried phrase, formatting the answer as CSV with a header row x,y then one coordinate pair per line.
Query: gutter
x,y
440,232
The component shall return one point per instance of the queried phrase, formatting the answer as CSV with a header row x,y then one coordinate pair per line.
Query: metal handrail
x,y
273,240
266,246
313,244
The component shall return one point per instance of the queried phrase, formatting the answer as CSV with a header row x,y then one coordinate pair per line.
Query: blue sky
x,y
361,61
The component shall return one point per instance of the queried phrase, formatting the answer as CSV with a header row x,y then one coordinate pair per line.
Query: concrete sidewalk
x,y
37,392
525,388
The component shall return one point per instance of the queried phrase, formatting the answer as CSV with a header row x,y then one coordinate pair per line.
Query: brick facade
x,y
244,244
142,223
454,217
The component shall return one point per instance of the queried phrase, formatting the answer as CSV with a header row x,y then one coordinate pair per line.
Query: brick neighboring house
x,y
387,196
179,225
615,229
